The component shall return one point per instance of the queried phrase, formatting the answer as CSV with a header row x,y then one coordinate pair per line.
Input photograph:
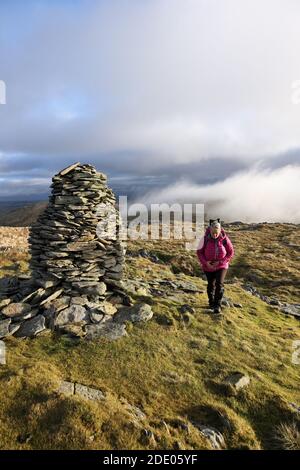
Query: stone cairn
x,y
66,249
76,265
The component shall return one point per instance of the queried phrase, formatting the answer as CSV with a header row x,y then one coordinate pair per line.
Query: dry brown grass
x,y
197,356
14,238
13,250
288,436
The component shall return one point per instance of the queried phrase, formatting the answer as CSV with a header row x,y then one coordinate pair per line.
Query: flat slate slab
x,y
109,329
89,393
66,388
137,313
31,327
72,314
4,327
238,380
72,388
67,170
16,309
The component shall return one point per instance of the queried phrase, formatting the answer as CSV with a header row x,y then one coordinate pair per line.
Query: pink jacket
x,y
220,249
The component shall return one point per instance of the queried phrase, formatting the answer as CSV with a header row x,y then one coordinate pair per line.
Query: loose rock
x,y
66,388
4,327
238,380
108,329
213,435
72,314
31,327
16,309
136,313
89,393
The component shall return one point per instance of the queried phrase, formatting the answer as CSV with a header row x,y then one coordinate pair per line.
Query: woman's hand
x,y
212,263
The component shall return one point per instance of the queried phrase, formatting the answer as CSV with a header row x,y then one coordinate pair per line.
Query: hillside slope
x,y
166,379
21,216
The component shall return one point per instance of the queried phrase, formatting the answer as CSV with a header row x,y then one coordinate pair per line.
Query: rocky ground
x,y
176,377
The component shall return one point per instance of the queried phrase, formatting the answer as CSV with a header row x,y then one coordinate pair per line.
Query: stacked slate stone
x,y
66,250
76,263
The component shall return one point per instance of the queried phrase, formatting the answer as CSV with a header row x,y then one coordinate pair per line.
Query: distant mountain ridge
x,y
18,214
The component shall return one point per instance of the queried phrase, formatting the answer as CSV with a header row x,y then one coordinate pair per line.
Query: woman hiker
x,y
214,252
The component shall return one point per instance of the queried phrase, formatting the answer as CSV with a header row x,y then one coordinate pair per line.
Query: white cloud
x,y
186,79
252,196
148,85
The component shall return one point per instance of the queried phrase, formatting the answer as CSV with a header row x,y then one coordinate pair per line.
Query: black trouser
x,y
215,286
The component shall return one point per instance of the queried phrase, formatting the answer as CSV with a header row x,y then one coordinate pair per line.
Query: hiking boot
x,y
218,300
217,309
211,300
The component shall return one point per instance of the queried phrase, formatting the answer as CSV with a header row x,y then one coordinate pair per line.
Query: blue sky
x,y
189,94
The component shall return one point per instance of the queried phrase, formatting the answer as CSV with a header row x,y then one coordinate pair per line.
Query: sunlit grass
x,y
172,370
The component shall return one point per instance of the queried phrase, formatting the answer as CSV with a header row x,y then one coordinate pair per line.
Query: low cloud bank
x,y
255,195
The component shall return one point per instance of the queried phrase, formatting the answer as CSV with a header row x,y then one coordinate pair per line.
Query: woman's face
x,y
215,232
